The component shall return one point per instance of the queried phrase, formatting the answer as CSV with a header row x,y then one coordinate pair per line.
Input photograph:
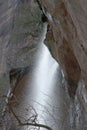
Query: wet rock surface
x,y
67,20
66,39
20,27
37,101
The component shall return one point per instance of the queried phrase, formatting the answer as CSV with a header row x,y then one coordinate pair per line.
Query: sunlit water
x,y
40,93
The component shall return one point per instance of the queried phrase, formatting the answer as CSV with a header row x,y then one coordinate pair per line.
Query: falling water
x,y
42,84
44,73
41,92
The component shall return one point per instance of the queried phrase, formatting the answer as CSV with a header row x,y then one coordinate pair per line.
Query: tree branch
x,y
30,124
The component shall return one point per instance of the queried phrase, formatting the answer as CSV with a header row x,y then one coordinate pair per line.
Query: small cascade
x,y
44,73
46,95
40,95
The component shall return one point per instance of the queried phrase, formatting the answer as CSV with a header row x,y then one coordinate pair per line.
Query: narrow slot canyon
x,y
40,94
43,65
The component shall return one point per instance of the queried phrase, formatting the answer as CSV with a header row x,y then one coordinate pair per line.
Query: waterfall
x,y
43,84
40,93
46,95
44,73
45,92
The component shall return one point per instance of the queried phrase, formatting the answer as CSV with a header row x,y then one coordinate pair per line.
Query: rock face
x,y
25,34
66,40
19,34
67,21
20,28
6,16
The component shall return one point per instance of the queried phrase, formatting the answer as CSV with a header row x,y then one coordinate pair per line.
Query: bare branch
x,y
28,123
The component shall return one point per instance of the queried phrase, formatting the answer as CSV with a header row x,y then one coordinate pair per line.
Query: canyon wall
x,y
20,27
19,33
67,31
66,40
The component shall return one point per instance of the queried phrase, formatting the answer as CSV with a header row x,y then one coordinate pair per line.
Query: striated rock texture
x,y
67,21
25,35
66,39
19,32
20,27
6,17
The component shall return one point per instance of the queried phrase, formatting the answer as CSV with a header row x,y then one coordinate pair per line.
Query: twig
x,y
30,124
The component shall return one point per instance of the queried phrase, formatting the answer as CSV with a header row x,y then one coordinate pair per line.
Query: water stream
x,y
40,96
